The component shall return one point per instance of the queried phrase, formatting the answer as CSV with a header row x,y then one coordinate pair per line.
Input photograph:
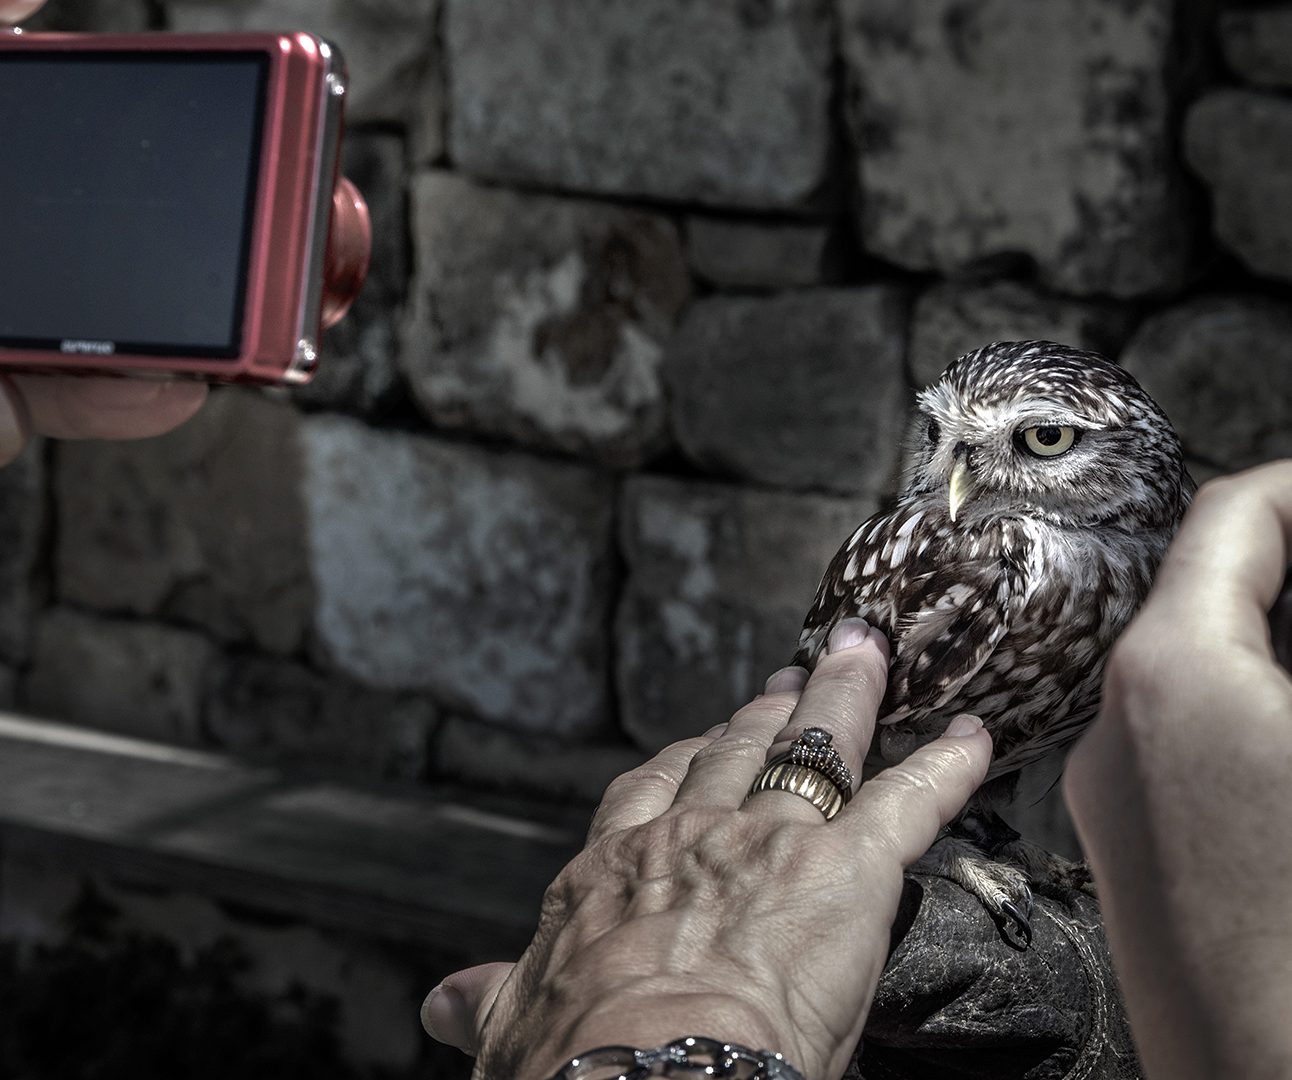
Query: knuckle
x,y
738,745
762,709
559,898
951,759
856,672
905,784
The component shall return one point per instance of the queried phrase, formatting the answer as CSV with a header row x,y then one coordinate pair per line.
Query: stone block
x,y
203,525
1241,143
719,581
389,46
132,678
541,319
754,255
478,576
800,390
478,755
1221,368
1043,130
359,369
1257,44
953,318
22,540
725,103
269,709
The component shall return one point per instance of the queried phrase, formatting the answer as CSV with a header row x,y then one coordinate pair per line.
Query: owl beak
x,y
961,482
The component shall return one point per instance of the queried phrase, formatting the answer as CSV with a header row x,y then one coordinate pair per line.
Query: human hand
x,y
13,12
691,912
1180,794
90,407
85,407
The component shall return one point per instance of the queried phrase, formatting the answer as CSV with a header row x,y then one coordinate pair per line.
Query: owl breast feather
x,y
1010,620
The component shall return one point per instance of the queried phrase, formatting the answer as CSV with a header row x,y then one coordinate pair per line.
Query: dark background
x,y
654,283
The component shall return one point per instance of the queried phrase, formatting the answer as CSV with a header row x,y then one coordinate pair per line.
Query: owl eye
x,y
1049,440
935,432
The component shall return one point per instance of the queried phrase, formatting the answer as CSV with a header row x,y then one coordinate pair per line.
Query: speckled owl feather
x,y
1007,609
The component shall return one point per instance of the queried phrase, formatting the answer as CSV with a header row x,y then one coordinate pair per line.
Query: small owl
x,y
1042,487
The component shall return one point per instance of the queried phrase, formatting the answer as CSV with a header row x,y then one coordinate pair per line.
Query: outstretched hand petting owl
x,y
1042,488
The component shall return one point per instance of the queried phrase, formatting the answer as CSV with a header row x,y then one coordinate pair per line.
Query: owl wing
x,y
945,601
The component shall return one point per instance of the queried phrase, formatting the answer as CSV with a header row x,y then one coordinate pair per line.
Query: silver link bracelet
x,y
691,1056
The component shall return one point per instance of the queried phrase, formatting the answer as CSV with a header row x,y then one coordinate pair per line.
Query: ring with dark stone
x,y
812,749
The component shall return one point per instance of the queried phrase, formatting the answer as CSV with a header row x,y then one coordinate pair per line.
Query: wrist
x,y
650,1019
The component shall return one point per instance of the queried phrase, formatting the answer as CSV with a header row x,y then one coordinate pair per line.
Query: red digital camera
x,y
172,204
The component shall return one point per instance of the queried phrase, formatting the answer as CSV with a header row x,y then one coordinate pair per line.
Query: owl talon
x,y
1003,890
1017,929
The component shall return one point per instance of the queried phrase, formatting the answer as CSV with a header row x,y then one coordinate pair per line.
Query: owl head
x,y
1040,429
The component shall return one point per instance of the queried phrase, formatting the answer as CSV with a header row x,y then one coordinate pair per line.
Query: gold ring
x,y
782,774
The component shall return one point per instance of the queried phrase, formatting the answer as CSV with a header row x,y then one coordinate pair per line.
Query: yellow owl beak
x,y
959,487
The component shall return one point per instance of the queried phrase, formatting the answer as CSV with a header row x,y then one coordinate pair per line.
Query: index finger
x,y
842,698
1226,565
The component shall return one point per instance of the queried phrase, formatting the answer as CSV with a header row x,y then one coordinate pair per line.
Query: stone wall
x,y
654,282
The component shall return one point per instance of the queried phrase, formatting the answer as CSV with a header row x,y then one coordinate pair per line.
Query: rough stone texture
x,y
479,576
389,46
753,255
952,319
800,390
1257,43
202,525
542,319
22,537
724,103
1221,368
720,578
275,710
482,756
118,16
133,678
359,369
1041,129
1241,143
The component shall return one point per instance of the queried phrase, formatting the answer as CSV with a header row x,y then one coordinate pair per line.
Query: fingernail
x,y
427,1005
962,725
440,1014
787,680
712,733
847,634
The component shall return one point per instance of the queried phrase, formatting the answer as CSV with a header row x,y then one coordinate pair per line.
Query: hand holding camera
x,y
174,214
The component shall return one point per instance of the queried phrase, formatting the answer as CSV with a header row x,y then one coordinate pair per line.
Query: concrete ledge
x,y
451,869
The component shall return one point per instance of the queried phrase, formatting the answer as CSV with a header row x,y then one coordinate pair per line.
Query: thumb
x,y
455,1011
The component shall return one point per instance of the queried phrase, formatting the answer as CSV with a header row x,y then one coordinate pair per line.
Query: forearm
x,y
1192,859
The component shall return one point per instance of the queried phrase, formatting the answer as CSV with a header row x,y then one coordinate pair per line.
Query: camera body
x,y
173,204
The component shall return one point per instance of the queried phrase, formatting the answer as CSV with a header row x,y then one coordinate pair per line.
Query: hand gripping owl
x,y
1042,487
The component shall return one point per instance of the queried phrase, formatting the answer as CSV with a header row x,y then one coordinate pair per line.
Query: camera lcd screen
x,y
127,183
